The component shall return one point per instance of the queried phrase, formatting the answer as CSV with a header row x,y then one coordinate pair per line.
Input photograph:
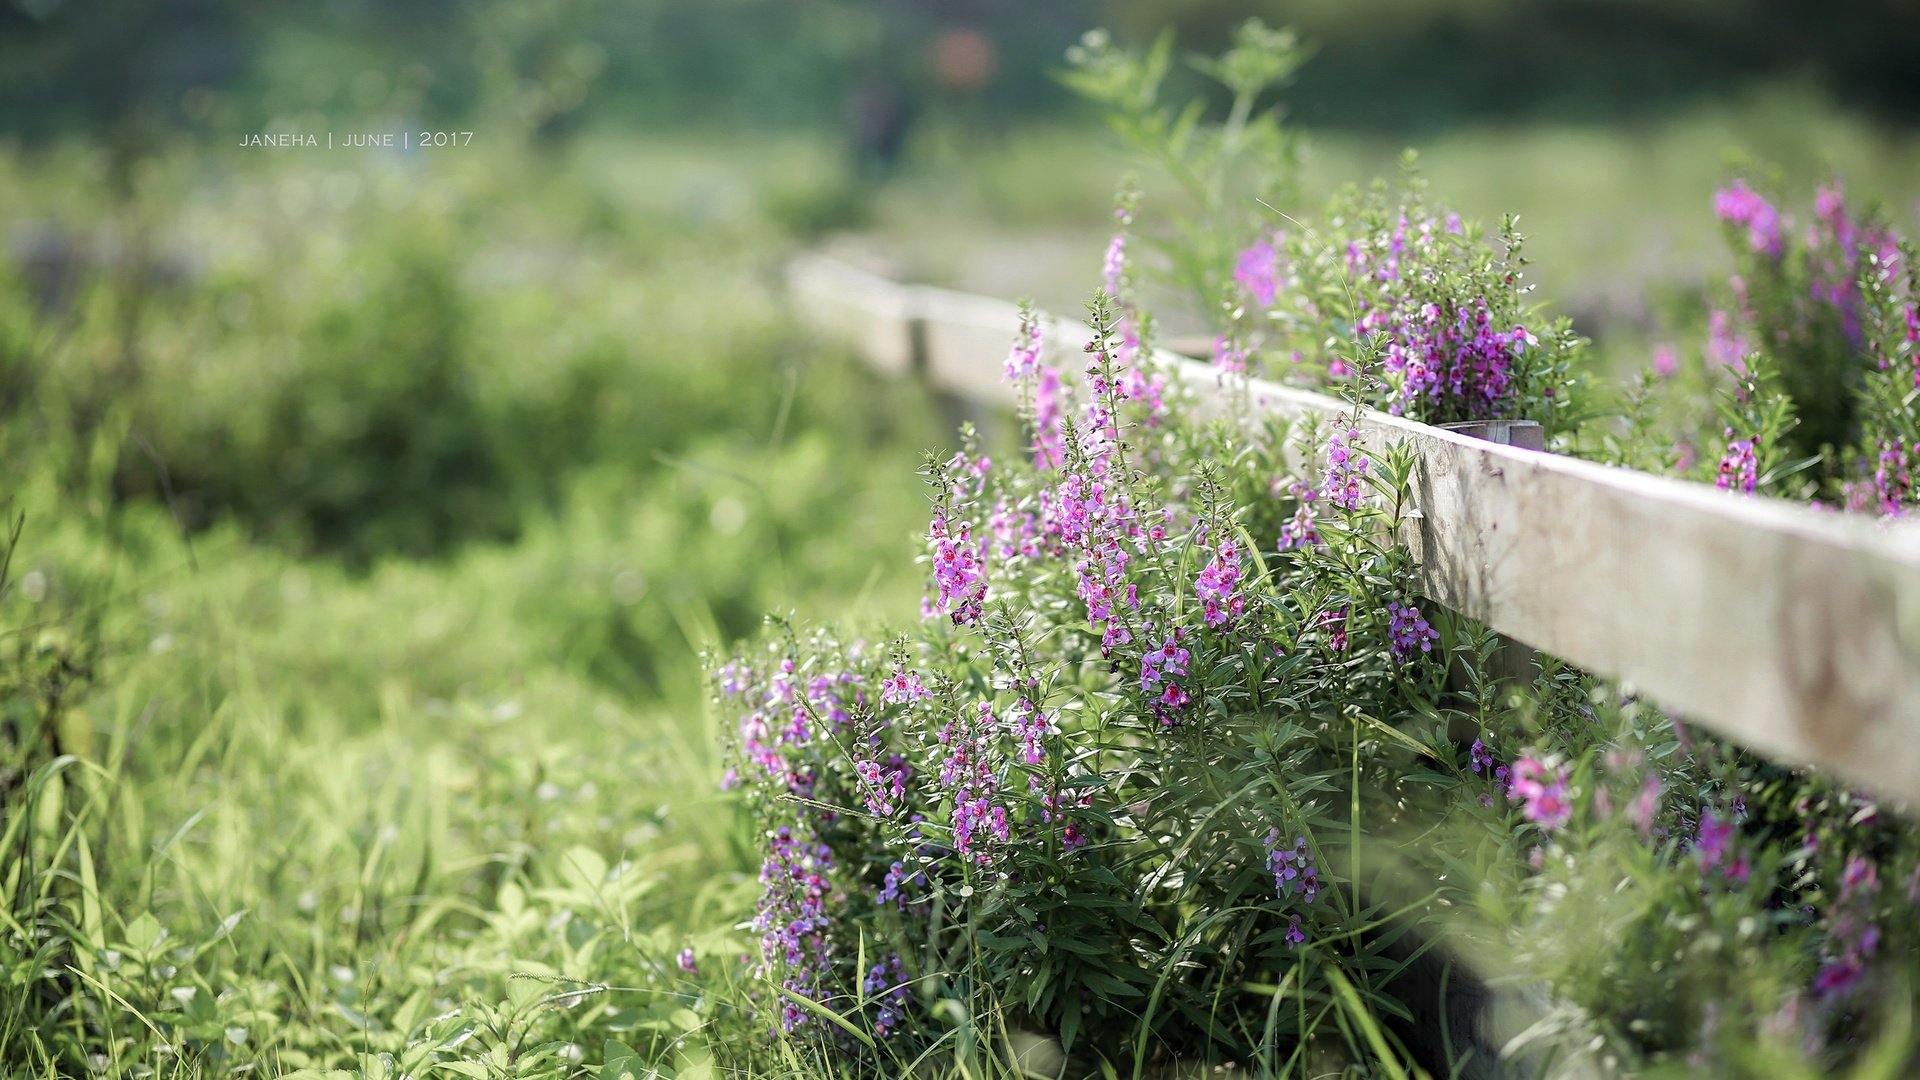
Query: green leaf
x,y
583,870
620,1060
827,1014
144,932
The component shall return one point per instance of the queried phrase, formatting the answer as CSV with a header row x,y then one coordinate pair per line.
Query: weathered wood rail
x,y
1792,631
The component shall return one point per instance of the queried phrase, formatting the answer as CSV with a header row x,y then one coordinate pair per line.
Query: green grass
x,y
297,788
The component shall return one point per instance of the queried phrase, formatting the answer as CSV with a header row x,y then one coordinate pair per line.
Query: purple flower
x,y
1217,586
1479,757
903,687
1860,878
1171,703
1713,840
1335,623
1296,937
1023,361
1852,936
883,786
894,887
1115,268
1893,487
1409,633
1838,978
886,987
1258,272
1739,468
1453,358
1741,205
1725,346
1341,484
1301,531
795,930
1293,868
1030,727
1167,659
1228,358
685,960
968,772
959,573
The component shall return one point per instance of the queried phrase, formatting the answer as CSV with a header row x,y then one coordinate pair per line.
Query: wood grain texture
x,y
1792,631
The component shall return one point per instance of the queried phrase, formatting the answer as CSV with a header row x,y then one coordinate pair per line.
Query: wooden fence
x,y
1792,631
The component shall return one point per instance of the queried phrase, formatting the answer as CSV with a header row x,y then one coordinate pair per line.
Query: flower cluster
x,y
1726,346
896,885
1218,586
1334,624
903,687
795,929
1715,845
886,988
968,773
959,570
1457,359
1167,660
1113,269
1301,531
780,717
1852,936
1230,358
883,784
1023,360
1889,492
1408,632
1295,873
1741,206
1739,468
1397,281
1479,758
1343,483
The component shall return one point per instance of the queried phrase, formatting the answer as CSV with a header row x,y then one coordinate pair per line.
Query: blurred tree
x,y
1408,65
116,69
129,72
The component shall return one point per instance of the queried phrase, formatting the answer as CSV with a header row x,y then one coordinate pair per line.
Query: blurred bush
x,y
393,378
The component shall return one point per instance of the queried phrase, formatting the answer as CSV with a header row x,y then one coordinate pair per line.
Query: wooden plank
x,y
872,313
1792,631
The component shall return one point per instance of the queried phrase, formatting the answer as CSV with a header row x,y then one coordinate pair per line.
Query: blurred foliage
x,y
879,67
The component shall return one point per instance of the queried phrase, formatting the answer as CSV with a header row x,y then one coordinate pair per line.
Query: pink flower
x,y
1115,268
1257,271
1665,361
1741,205
1544,792
1023,360
1645,805
903,687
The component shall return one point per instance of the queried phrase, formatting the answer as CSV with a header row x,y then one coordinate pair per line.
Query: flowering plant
x,y
1114,775
1812,350
1126,785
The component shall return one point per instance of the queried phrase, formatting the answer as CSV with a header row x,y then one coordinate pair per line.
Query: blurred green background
x,y
376,504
